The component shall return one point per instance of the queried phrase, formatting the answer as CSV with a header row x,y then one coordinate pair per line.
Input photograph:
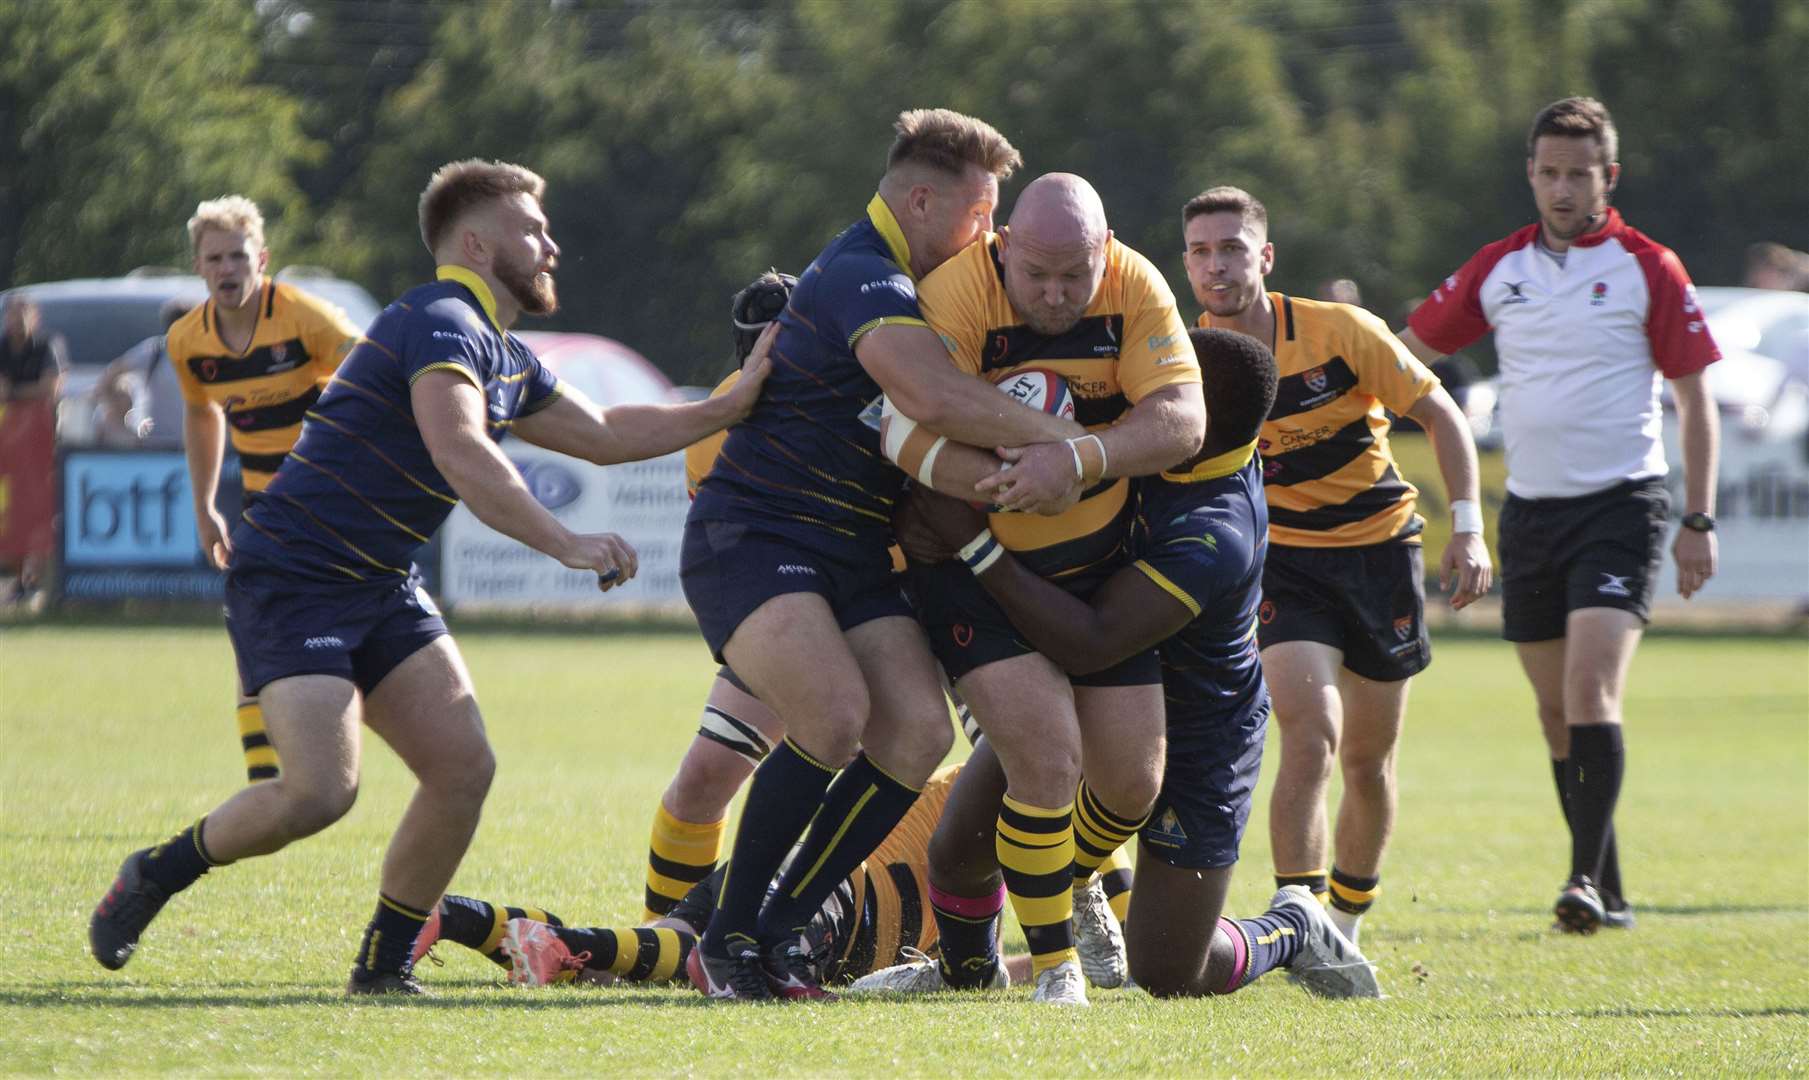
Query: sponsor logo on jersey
x,y
1598,294
1515,295
898,285
1157,344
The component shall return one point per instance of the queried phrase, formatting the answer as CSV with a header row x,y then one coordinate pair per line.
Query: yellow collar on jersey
x,y
1216,467
470,280
883,220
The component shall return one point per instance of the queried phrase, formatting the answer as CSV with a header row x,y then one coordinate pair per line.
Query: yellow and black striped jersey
x,y
267,389
701,455
1129,343
1327,470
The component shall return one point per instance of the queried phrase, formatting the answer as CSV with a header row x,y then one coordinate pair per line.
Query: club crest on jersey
x,y
1403,627
1315,379
1598,294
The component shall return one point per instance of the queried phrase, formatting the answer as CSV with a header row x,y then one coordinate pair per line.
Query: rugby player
x,y
873,918
785,553
1193,592
251,360
1588,314
1054,290
327,622
737,730
1342,626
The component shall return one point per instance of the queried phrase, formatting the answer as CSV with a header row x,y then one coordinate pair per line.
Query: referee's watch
x,y
1697,521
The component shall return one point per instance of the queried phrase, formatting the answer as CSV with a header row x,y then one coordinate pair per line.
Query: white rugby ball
x,y
1040,389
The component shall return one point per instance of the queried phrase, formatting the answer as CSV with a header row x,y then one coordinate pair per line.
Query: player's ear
x,y
263,259
1268,257
1614,175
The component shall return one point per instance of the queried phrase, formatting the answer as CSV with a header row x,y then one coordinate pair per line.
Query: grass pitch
x,y
115,738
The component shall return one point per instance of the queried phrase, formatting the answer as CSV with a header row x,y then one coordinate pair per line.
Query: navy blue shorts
x,y
1211,773
282,625
968,629
1369,602
729,568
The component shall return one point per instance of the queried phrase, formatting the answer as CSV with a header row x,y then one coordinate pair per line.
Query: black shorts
x,y
1600,550
968,629
1207,784
282,625
728,569
1369,602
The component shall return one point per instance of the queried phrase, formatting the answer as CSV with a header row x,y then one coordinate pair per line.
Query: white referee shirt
x,y
1582,344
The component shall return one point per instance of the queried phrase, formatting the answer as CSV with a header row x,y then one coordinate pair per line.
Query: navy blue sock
x,y
787,789
180,861
1262,944
388,939
859,809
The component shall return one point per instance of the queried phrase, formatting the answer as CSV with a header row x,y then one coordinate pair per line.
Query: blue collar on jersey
x,y
883,220
469,279
1216,467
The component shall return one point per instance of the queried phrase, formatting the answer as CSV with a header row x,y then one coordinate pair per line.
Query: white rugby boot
x,y
1098,937
1326,964
919,974
1062,984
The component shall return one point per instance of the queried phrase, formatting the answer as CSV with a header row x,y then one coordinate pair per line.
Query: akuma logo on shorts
x,y
326,641
795,568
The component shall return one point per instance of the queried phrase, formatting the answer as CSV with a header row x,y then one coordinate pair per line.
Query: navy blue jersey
x,y
359,494
805,465
1202,538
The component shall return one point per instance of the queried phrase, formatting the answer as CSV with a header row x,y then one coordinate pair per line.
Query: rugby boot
x,y
1098,937
919,974
537,955
1617,914
1579,908
1062,984
1327,963
397,983
739,976
121,916
792,972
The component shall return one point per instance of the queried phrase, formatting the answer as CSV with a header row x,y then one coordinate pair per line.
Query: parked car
x,y
101,318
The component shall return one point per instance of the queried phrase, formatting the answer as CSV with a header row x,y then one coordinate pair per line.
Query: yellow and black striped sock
x,y
1314,880
679,855
260,756
1115,879
1036,852
1098,833
1351,894
653,954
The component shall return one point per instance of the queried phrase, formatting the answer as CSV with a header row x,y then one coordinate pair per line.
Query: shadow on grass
x,y
1641,910
100,994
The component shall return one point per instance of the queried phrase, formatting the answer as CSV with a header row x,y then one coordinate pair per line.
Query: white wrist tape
x,y
1466,516
929,461
1080,472
980,552
1104,464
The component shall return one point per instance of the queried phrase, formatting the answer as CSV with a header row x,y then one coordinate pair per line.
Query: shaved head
x,y
1059,211
1054,252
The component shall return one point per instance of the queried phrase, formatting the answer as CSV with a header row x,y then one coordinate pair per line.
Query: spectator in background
x,y
1773,266
117,423
32,358
1339,291
156,393
32,362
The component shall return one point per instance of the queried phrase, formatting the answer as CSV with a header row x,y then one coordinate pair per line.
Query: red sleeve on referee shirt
x,y
1452,316
1681,342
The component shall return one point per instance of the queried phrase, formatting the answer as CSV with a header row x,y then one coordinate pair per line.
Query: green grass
x,y
116,737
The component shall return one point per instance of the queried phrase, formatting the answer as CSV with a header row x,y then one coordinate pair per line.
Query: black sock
x,y
787,789
859,809
967,929
1314,880
388,939
478,924
180,861
1610,885
1592,786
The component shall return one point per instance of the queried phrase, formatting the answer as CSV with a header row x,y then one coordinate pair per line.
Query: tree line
x,y
689,144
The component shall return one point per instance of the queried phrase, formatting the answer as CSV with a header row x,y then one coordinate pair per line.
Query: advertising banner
x,y
129,527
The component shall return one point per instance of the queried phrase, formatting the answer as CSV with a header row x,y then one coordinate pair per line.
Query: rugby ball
x,y
1040,389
